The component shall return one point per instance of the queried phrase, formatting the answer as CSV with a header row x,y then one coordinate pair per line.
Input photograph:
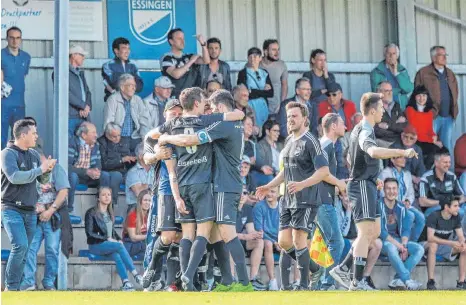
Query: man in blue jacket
x,y
396,225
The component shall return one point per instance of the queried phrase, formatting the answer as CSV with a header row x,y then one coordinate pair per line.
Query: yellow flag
x,y
319,252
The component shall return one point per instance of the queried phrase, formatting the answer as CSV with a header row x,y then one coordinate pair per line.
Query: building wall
x,y
352,32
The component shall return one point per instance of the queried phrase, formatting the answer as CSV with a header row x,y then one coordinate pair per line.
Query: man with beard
x,y
278,73
216,70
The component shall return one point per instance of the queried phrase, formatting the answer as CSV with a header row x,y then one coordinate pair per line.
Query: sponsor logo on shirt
x,y
192,162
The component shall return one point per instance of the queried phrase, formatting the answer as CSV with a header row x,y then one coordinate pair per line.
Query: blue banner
x,y
146,23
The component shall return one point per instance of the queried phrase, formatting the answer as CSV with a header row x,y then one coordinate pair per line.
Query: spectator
x,y
393,119
249,145
126,110
390,70
355,119
241,96
403,254
135,228
303,95
460,160
319,76
258,82
442,85
414,165
15,67
139,178
104,240
337,104
112,70
53,191
154,104
217,69
406,194
115,155
19,197
244,172
182,68
212,86
40,141
85,164
278,73
268,155
439,183
441,227
79,93
251,239
266,220
420,115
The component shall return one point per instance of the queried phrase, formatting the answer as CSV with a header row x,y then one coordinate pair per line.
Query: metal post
x,y
60,106
407,35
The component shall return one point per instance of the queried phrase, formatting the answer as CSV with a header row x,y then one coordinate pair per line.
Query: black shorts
x,y
363,198
298,218
226,207
199,203
166,208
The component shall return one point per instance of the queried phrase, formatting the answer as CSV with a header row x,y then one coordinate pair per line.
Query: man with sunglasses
x,y
442,85
337,104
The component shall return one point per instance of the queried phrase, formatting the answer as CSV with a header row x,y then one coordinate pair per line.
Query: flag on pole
x,y
319,252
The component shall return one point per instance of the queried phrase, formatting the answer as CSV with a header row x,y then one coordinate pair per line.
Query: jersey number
x,y
190,149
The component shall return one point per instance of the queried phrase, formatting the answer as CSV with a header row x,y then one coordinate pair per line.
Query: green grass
x,y
232,298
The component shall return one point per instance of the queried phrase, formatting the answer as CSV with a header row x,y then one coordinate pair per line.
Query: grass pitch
x,y
252,298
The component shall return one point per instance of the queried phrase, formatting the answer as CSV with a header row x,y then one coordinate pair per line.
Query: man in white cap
x,y
79,93
155,103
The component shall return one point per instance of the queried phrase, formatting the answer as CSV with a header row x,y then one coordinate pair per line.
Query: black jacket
x,y
395,129
96,230
111,155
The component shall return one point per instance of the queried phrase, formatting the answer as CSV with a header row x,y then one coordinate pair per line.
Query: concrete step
x,y
84,274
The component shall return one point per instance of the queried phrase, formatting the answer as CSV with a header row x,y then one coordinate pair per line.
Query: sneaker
x,y
273,285
295,285
210,282
412,285
370,283
157,285
300,288
147,278
286,288
358,286
50,288
461,285
139,279
431,285
127,286
187,284
258,285
397,284
30,288
315,279
342,277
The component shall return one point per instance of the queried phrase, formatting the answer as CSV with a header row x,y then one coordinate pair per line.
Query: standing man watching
x,y
278,73
15,67
21,166
180,67
364,155
216,70
305,166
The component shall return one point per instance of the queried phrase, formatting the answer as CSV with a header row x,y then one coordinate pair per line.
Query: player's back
x,y
362,165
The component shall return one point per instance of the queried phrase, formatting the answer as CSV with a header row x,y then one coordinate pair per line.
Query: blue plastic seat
x,y
82,187
122,187
75,220
5,255
119,220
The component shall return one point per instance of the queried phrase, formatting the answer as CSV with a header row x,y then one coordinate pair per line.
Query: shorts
x,y
199,203
363,198
298,218
226,207
446,252
166,214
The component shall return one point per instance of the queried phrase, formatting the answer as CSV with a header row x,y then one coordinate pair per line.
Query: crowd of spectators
x,y
422,199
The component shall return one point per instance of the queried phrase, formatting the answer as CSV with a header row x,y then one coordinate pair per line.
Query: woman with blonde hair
x,y
135,228
104,240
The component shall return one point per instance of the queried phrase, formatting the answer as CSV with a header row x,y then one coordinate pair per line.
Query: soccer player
x,y
191,183
227,139
169,231
363,156
305,166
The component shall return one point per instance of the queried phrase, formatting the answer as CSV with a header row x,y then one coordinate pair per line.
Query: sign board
x,y
146,23
35,18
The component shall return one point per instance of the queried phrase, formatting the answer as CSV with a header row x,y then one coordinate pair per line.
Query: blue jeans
x,y
52,249
110,179
259,179
73,124
10,114
118,253
327,221
403,269
20,228
443,127
419,222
